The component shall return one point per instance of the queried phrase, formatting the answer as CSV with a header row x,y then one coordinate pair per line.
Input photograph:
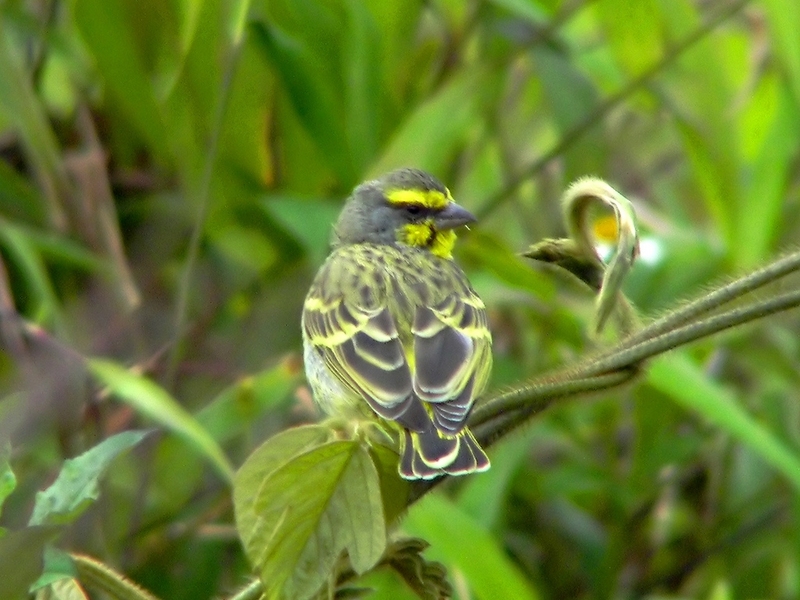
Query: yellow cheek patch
x,y
427,198
423,235
416,234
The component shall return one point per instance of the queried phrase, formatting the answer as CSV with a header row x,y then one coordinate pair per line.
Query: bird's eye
x,y
413,209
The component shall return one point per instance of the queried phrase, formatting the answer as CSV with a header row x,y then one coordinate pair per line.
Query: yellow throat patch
x,y
422,235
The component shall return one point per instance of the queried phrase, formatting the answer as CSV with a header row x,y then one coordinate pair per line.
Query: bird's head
x,y
406,206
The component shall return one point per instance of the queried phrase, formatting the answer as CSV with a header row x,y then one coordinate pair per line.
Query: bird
x,y
392,329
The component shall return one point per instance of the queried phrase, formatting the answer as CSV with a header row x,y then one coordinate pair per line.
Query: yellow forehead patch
x,y
427,198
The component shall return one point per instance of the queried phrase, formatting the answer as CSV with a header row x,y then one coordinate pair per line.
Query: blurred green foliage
x,y
169,170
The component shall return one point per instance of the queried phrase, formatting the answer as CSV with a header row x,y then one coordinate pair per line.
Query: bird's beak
x,y
453,216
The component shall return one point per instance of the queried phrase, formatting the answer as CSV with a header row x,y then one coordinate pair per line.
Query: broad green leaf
x,y
312,93
76,486
715,177
19,104
58,567
362,94
394,489
721,591
764,197
155,402
783,17
21,559
236,407
457,539
238,19
683,381
700,99
307,510
8,482
61,250
430,136
482,498
19,200
45,307
184,24
571,97
308,219
108,33
276,452
245,247
633,32
488,252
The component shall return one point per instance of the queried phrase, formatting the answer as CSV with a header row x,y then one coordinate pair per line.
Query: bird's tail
x,y
431,453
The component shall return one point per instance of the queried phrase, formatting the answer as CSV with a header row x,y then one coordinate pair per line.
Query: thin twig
x,y
204,199
727,293
521,407
691,333
100,576
514,408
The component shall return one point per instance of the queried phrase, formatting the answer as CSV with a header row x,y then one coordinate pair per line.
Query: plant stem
x,y
98,575
252,591
727,293
204,199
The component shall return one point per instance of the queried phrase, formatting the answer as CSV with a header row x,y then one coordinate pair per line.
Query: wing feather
x,y
425,380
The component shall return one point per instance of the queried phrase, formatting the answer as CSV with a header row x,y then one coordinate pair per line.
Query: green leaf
x,y
110,37
683,381
19,103
362,93
154,401
19,200
76,486
45,307
506,266
236,407
65,589
430,136
21,559
457,539
312,93
482,498
308,219
58,566
572,97
783,17
297,513
633,32
8,482
763,200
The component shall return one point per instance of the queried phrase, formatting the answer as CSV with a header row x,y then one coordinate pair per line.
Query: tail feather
x,y
429,454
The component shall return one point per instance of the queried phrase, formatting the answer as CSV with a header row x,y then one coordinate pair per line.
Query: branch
x,y
498,415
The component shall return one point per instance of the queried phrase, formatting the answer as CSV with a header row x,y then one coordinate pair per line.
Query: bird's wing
x,y
358,340
452,354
